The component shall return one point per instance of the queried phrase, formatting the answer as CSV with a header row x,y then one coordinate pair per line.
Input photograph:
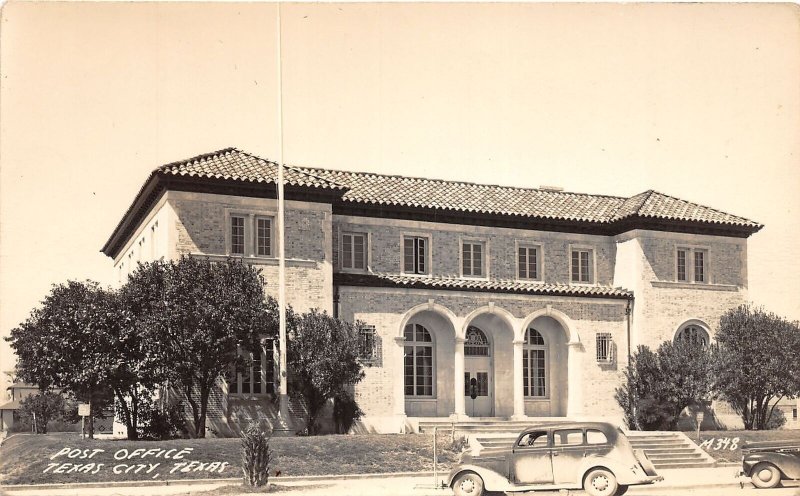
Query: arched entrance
x,y
477,373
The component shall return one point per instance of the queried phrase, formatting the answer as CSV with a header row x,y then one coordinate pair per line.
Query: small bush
x,y
168,423
345,412
458,444
776,420
256,456
43,407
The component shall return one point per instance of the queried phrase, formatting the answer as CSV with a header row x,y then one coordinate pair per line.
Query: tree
x,y
756,362
195,315
68,342
41,408
322,357
660,384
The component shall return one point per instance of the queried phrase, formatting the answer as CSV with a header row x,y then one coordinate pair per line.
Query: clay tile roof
x,y
478,285
234,164
653,204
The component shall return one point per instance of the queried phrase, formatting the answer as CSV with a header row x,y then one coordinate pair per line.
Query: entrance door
x,y
478,366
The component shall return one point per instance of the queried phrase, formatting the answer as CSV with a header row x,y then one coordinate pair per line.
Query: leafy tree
x,y
660,384
756,362
69,341
194,314
322,357
41,408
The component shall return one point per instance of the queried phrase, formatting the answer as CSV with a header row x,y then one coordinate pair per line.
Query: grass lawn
x,y
714,442
32,459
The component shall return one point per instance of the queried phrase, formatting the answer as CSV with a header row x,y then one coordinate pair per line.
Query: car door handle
x,y
555,453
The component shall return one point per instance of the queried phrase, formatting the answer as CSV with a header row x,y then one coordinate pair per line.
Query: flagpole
x,y
284,426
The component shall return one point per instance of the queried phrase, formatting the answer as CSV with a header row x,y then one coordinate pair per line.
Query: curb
x,y
193,482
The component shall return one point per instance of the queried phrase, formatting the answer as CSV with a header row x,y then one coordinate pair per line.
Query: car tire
x,y
468,484
600,482
765,476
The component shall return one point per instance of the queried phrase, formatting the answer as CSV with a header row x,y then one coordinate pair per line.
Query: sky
x,y
698,101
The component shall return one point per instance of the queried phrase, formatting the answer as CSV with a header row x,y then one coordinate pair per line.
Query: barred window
x,y
605,347
367,346
534,364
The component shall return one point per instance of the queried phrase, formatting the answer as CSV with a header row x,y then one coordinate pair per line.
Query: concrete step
x,y
685,465
674,456
657,451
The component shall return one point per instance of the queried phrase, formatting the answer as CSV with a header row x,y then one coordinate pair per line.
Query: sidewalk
x,y
408,485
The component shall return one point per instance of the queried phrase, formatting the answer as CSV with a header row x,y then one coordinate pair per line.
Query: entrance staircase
x,y
664,449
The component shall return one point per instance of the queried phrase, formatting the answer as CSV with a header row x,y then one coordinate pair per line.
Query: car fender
x,y
621,471
492,481
787,463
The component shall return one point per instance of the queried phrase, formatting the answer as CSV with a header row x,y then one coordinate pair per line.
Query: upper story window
x,y
264,236
250,235
529,263
692,264
415,253
237,235
582,265
153,235
354,251
472,259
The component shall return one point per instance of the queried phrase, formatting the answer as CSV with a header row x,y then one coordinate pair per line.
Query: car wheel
x,y
600,482
468,484
765,475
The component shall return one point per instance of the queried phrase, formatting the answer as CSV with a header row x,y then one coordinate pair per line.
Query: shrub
x,y
345,412
776,420
256,456
166,423
43,407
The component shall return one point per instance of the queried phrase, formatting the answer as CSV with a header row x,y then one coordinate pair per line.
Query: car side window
x,y
536,439
594,436
568,437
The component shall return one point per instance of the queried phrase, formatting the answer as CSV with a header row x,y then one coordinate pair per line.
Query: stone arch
x,y
557,315
441,310
505,315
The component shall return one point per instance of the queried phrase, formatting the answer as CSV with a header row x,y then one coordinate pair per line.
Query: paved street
x,y
706,482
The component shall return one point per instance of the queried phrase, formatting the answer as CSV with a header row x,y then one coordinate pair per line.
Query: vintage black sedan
x,y
593,456
767,463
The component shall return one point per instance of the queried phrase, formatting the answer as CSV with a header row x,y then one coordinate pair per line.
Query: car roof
x,y
602,426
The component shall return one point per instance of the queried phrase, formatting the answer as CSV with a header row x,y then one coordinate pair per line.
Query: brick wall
x,y
501,244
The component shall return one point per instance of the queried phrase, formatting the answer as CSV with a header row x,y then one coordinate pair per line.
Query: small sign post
x,y
84,411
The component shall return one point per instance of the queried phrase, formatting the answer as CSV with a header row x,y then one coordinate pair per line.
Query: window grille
x,y
368,350
476,343
605,348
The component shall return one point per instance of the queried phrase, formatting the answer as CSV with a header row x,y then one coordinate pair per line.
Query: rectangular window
x,y
415,251
368,350
419,366
691,265
794,413
263,236
581,266
153,233
533,373
605,346
699,266
568,437
528,262
237,235
258,375
682,273
354,251
472,259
